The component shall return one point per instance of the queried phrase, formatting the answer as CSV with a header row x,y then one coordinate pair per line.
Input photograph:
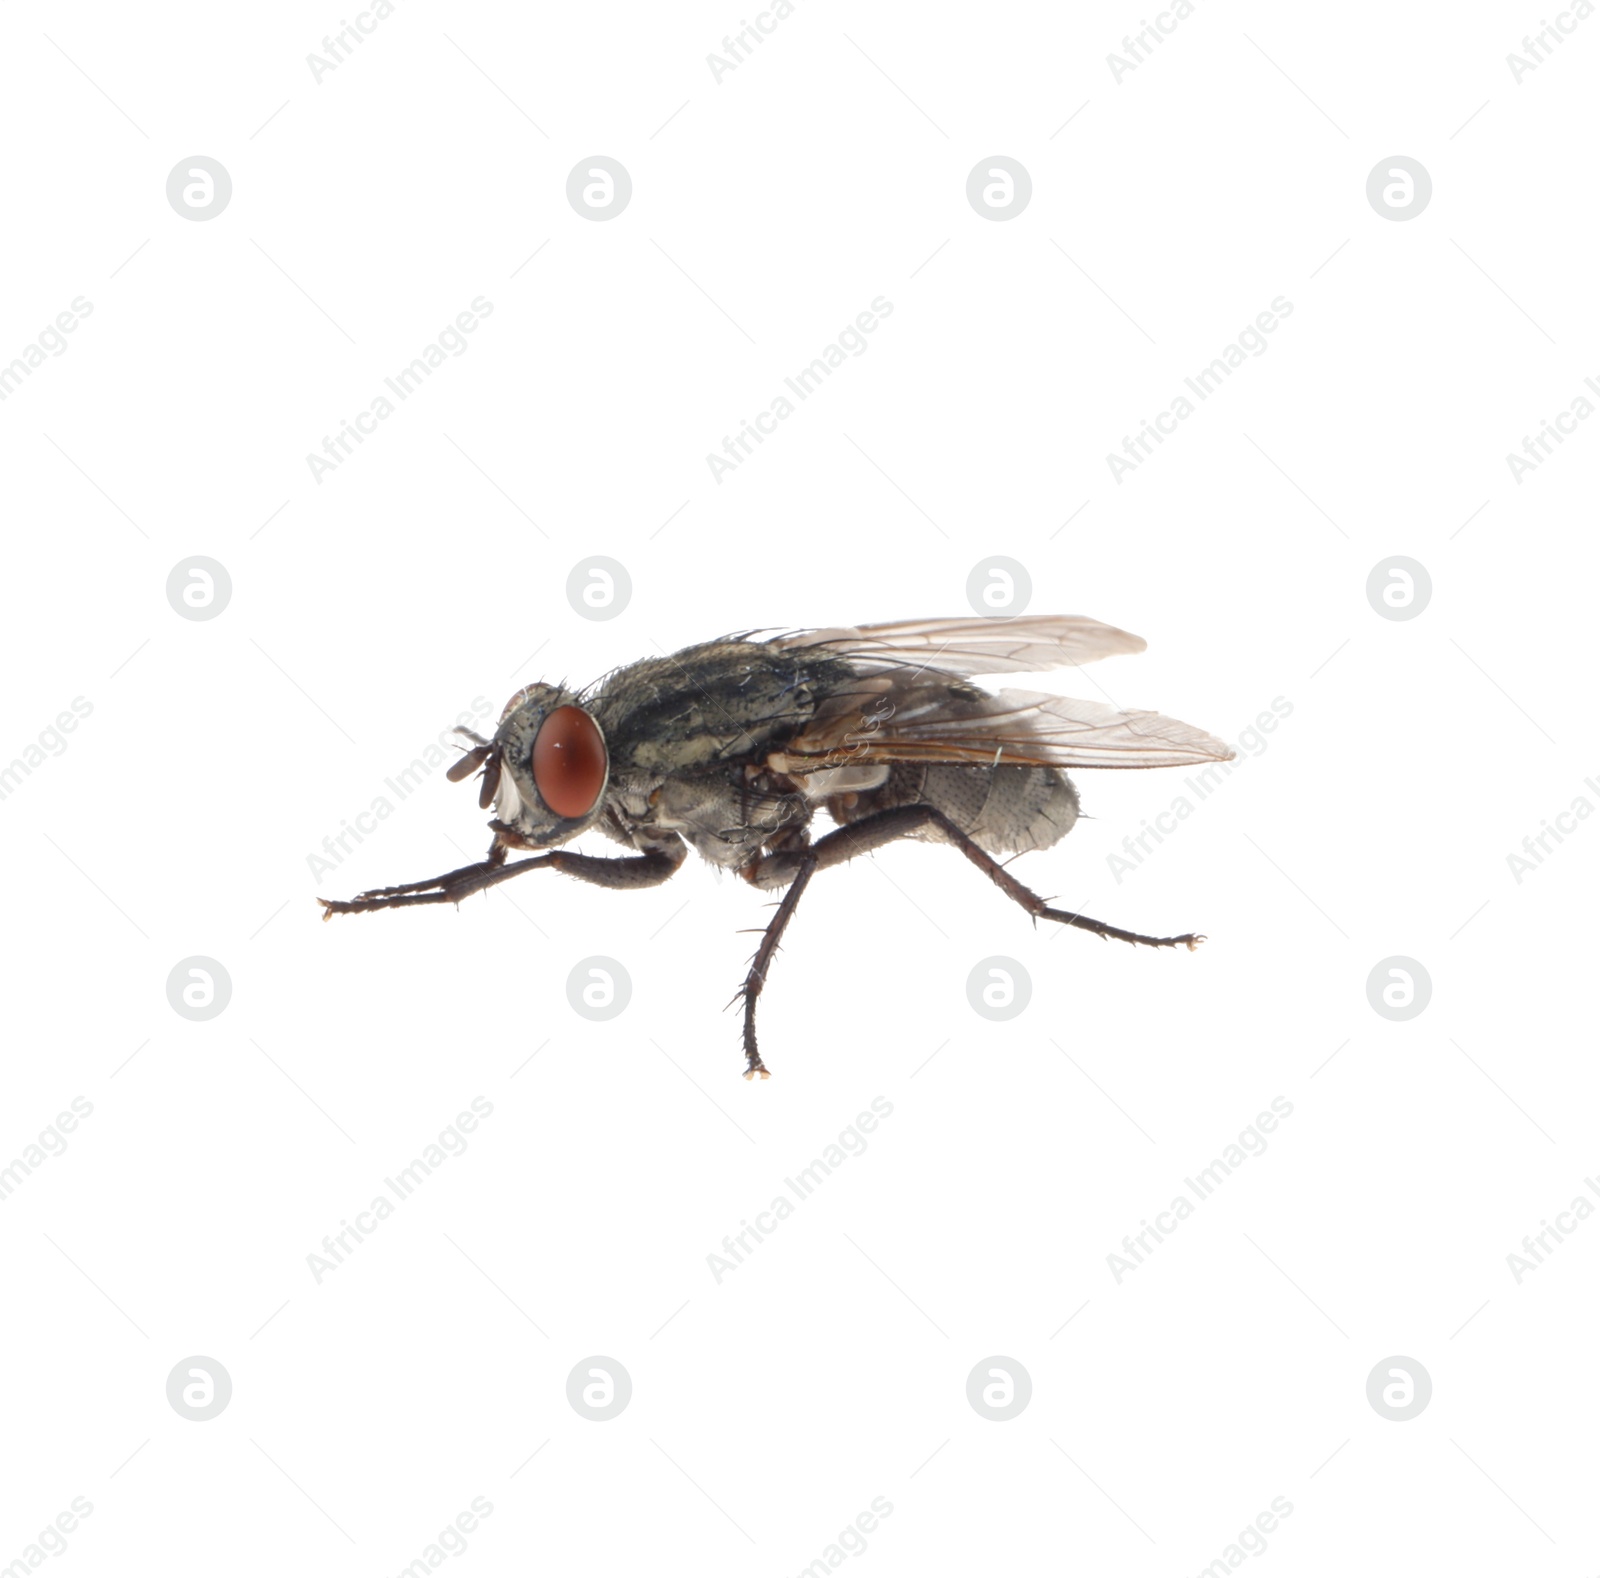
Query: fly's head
x,y
546,768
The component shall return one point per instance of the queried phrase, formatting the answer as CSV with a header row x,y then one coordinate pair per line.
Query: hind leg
x,y
872,832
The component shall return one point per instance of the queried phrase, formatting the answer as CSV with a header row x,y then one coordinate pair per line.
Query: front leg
x,y
645,870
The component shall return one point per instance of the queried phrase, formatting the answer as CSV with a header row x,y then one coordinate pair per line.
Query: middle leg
x,y
861,838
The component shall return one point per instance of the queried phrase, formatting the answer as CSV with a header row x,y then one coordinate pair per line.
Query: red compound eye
x,y
569,762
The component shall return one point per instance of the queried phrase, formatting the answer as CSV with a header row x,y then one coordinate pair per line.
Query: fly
x,y
733,746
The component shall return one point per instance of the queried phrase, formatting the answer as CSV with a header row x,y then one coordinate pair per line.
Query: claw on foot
x,y
758,1068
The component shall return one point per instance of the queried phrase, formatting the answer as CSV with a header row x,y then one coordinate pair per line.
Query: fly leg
x,y
860,838
645,870
505,839
883,827
803,863
451,888
796,864
1037,907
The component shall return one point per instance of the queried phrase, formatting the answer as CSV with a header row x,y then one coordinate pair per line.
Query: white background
x,y
370,608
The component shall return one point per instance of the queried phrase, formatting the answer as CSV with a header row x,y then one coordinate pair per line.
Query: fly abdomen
x,y
1005,809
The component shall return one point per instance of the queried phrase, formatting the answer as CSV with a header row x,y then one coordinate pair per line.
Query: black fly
x,y
734,745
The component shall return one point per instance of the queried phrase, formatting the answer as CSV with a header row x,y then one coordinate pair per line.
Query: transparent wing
x,y
916,718
1028,644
